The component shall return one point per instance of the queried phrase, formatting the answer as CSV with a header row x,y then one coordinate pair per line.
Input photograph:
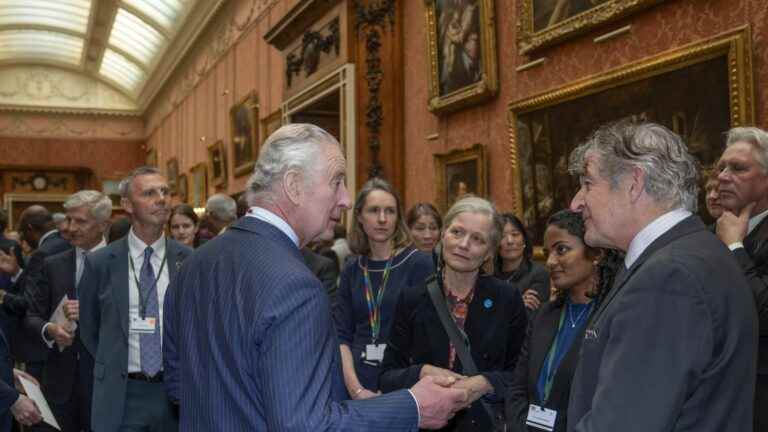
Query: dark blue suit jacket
x,y
8,393
249,343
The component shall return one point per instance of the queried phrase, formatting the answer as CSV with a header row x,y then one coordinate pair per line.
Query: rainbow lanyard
x,y
374,306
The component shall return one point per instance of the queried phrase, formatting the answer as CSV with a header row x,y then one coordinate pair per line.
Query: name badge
x,y
541,418
375,352
146,325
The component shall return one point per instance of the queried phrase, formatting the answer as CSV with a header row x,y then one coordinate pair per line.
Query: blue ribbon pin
x,y
488,303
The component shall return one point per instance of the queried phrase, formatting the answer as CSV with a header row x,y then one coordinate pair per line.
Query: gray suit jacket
x,y
104,298
673,345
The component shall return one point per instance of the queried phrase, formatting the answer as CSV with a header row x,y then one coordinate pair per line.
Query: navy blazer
x,y
495,325
8,393
104,299
673,345
249,343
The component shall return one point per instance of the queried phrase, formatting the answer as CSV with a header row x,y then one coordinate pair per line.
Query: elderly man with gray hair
x,y
260,351
672,346
743,193
68,368
220,210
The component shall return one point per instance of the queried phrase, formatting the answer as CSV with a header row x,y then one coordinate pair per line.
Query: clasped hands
x,y
25,410
441,393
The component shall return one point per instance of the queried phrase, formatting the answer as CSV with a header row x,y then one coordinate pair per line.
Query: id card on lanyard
x,y
374,352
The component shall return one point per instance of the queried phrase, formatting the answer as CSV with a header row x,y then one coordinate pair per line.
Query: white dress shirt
x,y
136,253
274,220
651,232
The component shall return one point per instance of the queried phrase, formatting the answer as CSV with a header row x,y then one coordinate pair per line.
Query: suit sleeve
x,y
328,273
88,291
40,302
397,370
8,396
656,351
516,327
294,358
516,399
342,307
170,348
758,281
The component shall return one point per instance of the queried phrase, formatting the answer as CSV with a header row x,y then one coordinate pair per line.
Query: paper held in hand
x,y
60,318
33,392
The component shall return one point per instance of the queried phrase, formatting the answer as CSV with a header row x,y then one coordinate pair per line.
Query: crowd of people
x,y
265,313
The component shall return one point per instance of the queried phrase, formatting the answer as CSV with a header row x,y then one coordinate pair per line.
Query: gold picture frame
x,y
172,174
182,187
460,172
717,69
199,196
270,124
539,27
217,164
244,128
461,47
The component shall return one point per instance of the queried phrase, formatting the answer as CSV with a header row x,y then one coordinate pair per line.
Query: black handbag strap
x,y
458,338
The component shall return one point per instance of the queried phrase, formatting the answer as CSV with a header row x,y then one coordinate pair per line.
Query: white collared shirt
x,y
651,232
274,220
136,253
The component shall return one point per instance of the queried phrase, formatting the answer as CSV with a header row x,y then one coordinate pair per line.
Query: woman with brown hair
x,y
183,224
424,224
371,282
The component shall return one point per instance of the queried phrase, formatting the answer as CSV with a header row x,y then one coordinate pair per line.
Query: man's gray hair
x,y
125,184
671,172
756,137
293,146
222,207
58,217
99,204
473,204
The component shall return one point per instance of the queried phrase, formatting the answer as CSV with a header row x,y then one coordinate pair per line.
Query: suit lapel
x,y
119,281
480,317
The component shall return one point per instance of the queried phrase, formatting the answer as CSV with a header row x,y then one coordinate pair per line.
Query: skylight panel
x,y
163,12
70,15
40,45
121,70
135,37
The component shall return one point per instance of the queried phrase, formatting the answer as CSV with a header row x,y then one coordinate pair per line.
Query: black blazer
x,y
495,326
324,268
672,347
522,391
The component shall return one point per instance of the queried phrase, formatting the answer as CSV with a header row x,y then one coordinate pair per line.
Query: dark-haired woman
x,y
514,264
183,224
371,283
424,223
542,379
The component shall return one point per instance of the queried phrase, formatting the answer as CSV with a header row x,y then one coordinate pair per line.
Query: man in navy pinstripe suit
x,y
249,341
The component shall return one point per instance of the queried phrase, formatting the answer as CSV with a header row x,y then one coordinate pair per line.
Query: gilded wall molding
x,y
66,127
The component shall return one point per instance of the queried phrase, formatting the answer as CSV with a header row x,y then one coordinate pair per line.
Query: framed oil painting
x,y
460,173
699,91
244,124
217,163
461,44
270,124
182,186
172,172
199,185
545,22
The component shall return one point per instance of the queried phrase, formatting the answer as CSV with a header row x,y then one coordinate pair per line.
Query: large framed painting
x,y
172,172
460,173
270,124
217,163
461,44
699,91
183,188
199,180
545,22
244,123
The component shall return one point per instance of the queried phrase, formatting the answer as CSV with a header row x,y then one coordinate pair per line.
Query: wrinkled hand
x,y
62,336
531,299
732,228
17,382
72,310
25,411
476,387
434,371
365,394
438,402
8,263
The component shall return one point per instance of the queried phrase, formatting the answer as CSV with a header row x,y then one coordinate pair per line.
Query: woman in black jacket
x,y
484,308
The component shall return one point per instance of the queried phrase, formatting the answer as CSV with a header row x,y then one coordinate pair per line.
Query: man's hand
x,y
72,310
434,371
25,411
365,394
17,382
476,386
59,334
531,299
732,228
8,263
438,402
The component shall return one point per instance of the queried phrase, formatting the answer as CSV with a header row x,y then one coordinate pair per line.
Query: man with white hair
x,y
743,193
68,368
221,210
672,345
259,347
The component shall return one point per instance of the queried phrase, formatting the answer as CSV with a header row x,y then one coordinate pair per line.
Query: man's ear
x,y
293,186
126,204
636,180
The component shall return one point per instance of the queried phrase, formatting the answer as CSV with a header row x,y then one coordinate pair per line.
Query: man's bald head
x,y
35,221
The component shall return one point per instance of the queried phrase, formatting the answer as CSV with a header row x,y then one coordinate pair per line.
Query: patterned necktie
x,y
149,343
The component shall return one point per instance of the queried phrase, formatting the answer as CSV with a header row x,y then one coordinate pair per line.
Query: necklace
x,y
575,322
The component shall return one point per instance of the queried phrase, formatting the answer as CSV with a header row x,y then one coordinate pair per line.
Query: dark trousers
x,y
147,409
761,403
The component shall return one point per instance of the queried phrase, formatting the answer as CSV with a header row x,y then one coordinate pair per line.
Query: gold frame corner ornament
x,y
478,153
475,93
529,40
736,44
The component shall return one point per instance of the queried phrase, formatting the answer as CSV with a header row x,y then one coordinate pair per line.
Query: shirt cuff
x,y
45,339
418,410
735,245
16,277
